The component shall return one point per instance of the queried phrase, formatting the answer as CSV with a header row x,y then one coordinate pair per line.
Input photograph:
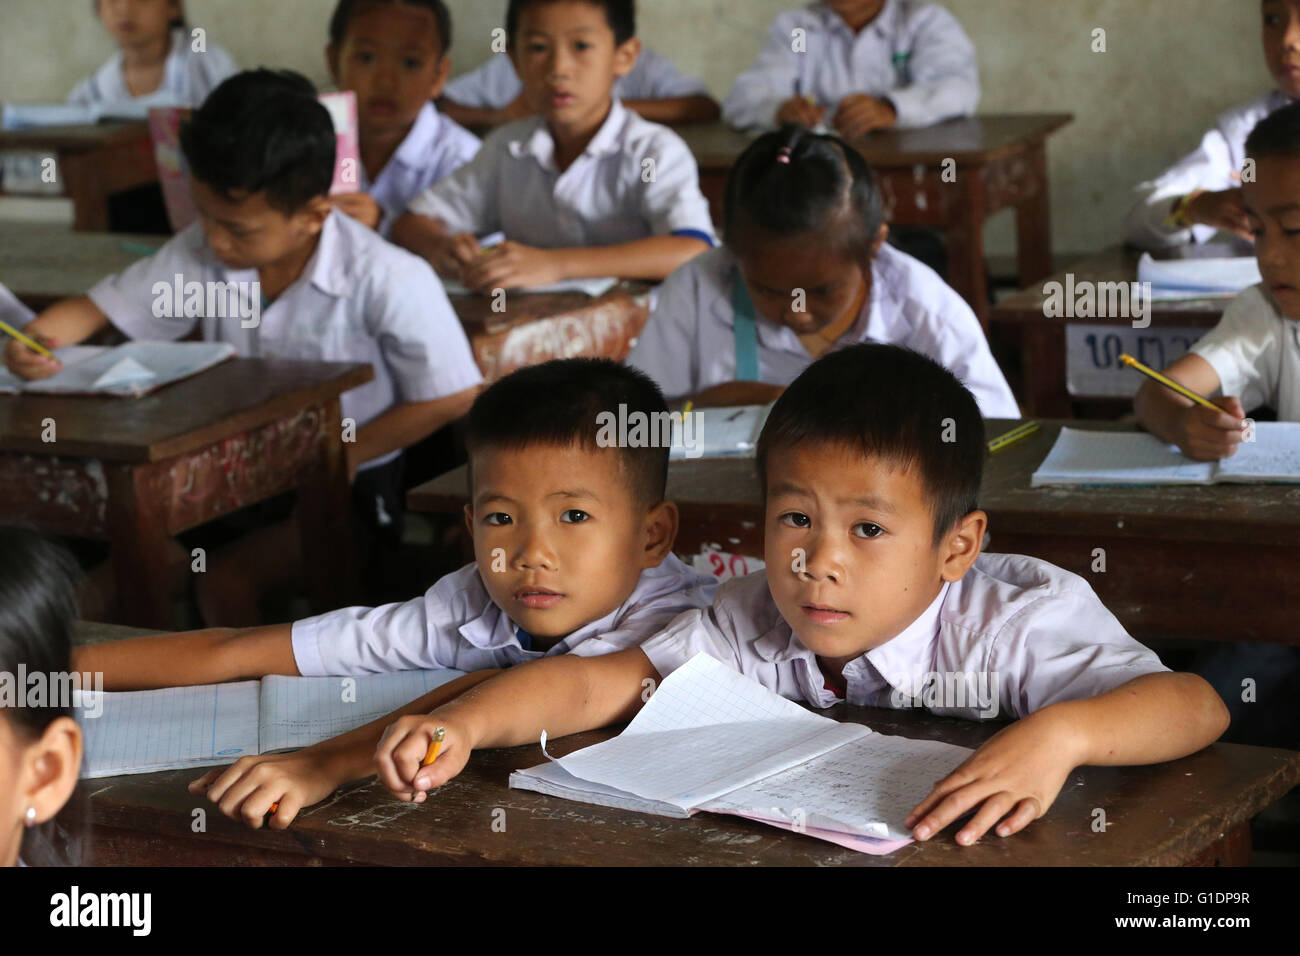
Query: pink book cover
x,y
174,175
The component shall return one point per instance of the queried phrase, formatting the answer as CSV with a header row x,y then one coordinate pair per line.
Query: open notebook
x,y
720,432
712,739
213,724
1136,458
125,371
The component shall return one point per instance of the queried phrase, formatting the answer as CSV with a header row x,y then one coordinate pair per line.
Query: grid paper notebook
x,y
214,724
1136,458
711,739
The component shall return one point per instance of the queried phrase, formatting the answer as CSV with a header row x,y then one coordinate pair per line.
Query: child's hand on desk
x,y
1224,210
361,207
30,365
1210,436
859,114
512,265
247,788
452,253
405,745
800,110
1013,778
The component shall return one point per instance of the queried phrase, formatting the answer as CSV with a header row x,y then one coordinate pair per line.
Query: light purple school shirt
x,y
358,299
688,343
495,84
916,55
636,179
457,624
1211,166
1038,633
188,78
435,148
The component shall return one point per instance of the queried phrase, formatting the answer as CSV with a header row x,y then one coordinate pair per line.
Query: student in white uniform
x,y
586,188
1200,195
859,65
805,270
874,585
156,63
574,556
40,742
655,89
393,56
318,285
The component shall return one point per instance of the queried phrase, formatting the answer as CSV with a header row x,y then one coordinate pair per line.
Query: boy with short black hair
x,y
871,462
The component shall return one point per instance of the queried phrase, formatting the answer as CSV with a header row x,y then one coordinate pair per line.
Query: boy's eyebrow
x,y
874,502
575,493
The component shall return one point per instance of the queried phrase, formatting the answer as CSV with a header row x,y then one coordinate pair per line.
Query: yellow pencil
x,y
434,747
32,344
1010,438
687,409
1182,390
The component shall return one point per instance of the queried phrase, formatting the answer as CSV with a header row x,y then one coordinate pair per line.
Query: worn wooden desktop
x,y
1215,563
1194,811
95,162
43,264
1000,162
136,472
1042,338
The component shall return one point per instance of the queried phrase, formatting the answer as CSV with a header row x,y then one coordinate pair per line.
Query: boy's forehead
x,y
553,16
539,469
418,25
841,470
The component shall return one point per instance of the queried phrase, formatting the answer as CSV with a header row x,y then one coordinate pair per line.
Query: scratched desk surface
x,y
1168,814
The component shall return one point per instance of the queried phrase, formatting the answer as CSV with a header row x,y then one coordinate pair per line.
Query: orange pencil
x,y
434,746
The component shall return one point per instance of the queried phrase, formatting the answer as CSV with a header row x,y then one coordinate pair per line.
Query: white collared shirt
x,y
495,84
636,179
916,55
358,299
456,624
1036,633
435,148
1255,351
188,78
688,343
1211,166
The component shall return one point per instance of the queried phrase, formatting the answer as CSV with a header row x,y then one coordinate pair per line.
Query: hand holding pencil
x,y
419,753
29,355
1206,430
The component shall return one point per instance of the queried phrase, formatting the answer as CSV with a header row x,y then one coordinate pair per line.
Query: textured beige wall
x,y
1171,66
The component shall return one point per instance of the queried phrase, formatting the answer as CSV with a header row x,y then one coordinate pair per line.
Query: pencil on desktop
x,y
1183,390
1010,438
31,343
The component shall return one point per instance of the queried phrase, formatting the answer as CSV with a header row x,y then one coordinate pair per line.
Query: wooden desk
x,y
138,472
1193,811
1213,563
43,264
94,161
1001,162
1042,339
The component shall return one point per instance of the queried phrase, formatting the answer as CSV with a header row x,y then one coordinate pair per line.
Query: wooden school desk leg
x,y
325,521
965,235
1034,222
83,182
1042,351
141,547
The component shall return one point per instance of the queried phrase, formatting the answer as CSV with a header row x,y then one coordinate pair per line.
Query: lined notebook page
x,y
1274,455
143,731
866,787
1117,458
707,730
301,711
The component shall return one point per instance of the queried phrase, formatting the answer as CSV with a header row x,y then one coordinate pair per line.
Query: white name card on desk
x,y
1092,351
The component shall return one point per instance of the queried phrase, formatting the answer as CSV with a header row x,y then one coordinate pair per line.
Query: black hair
x,y
348,9
619,14
892,403
558,403
793,182
1277,134
39,582
177,22
263,131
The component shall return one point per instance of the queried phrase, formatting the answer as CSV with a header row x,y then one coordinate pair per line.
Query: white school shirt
x,y
495,84
1210,166
358,299
435,148
916,55
688,343
456,624
602,199
188,78
1036,632
1255,351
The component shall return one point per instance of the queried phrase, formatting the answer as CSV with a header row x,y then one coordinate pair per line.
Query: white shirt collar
x,y
414,149
535,137
896,660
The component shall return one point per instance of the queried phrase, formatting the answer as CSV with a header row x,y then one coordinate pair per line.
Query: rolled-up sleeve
x,y
1244,349
671,200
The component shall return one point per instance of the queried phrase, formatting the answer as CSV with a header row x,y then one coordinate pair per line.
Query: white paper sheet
x,y
1198,278
127,370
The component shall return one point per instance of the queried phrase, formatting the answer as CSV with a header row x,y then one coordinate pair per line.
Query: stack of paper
x,y
1198,278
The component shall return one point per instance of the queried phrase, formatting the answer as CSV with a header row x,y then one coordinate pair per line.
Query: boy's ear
x,y
314,214
962,545
440,77
50,768
882,235
660,533
332,58
626,55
